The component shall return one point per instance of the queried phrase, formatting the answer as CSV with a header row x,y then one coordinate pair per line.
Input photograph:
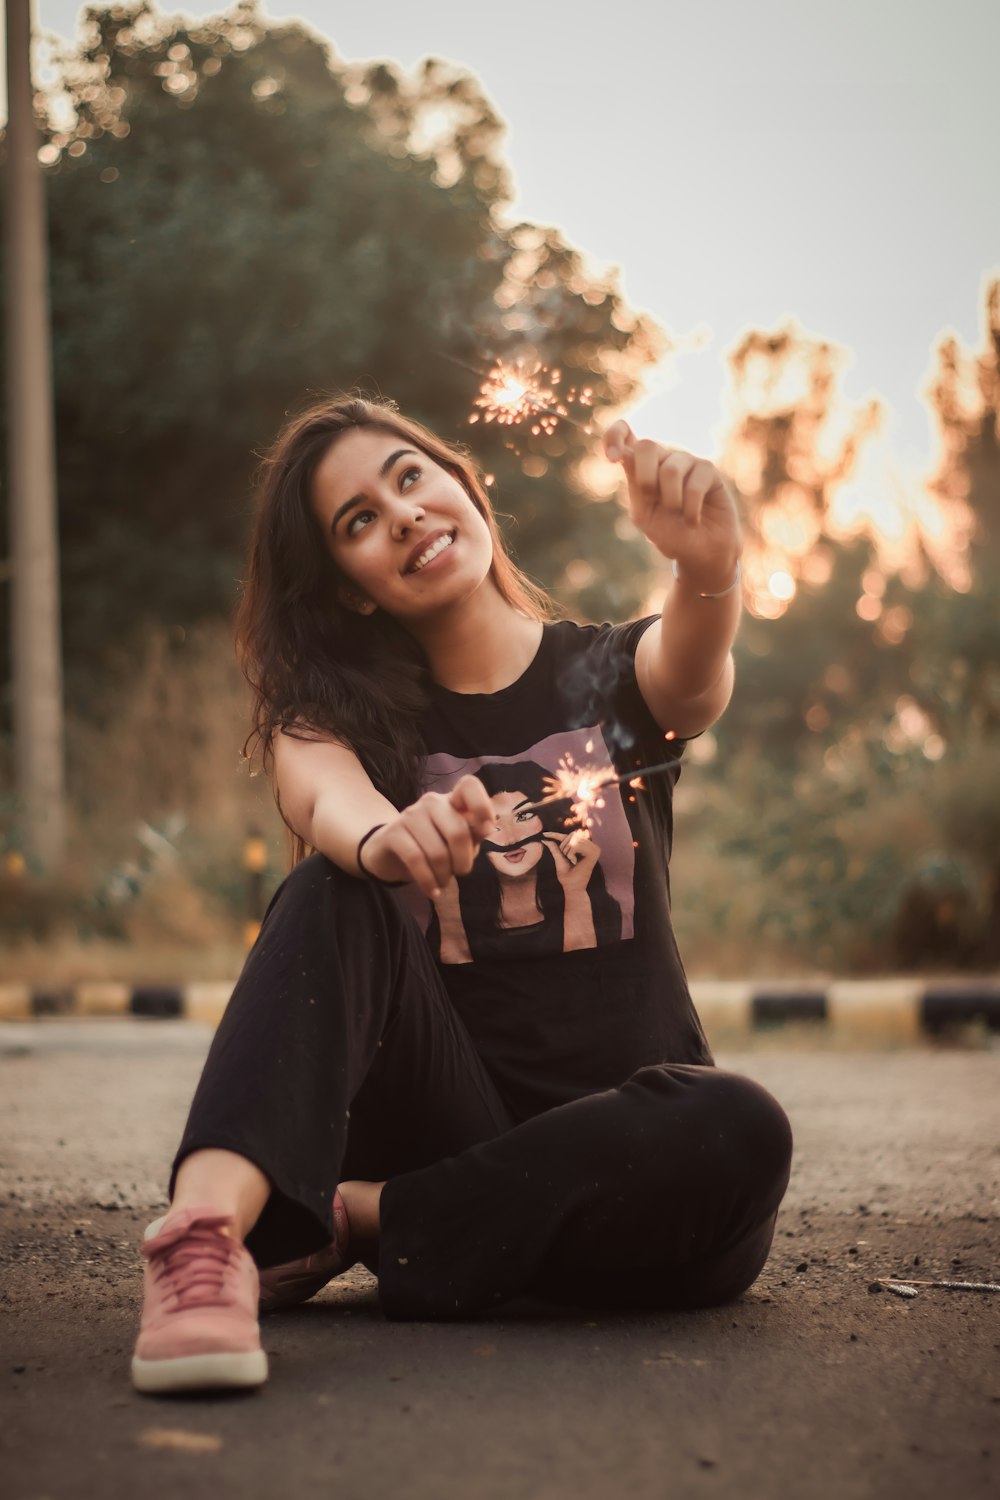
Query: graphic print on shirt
x,y
540,883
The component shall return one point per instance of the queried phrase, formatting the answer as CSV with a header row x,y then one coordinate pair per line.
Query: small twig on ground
x,y
894,1283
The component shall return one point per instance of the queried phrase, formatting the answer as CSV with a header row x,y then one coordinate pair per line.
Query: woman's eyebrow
x,y
384,468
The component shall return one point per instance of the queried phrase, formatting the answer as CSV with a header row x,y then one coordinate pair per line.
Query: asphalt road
x,y
807,1386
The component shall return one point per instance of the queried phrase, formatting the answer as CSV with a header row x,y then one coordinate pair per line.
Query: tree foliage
x,y
241,221
854,788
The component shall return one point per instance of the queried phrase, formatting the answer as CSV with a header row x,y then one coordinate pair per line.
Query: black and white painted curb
x,y
879,1009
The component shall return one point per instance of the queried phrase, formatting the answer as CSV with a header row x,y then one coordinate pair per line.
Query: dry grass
x,y
161,760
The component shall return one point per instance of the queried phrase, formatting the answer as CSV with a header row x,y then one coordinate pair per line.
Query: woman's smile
x,y
432,554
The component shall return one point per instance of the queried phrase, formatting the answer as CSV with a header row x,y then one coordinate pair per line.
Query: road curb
x,y
876,1009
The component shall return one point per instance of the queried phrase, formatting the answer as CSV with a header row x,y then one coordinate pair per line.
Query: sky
x,y
742,164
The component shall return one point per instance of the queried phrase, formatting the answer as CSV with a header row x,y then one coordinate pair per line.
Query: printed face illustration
x,y
511,826
578,895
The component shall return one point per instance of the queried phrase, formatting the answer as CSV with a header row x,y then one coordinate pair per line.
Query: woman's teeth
x,y
432,552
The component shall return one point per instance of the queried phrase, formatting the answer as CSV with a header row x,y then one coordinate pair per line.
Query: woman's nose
x,y
407,515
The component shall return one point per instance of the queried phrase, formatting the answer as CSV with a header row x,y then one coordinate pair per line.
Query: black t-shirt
x,y
557,950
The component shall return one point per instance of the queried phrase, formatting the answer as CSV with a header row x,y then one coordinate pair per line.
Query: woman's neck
x,y
481,646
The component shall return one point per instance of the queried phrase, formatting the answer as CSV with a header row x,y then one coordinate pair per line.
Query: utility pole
x,y
34,572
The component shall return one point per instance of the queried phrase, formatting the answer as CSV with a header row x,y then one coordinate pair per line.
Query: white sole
x,y
200,1372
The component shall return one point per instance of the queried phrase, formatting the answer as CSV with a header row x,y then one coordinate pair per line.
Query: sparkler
x,y
581,787
524,391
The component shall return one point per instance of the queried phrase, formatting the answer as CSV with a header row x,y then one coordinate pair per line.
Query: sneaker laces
x,y
191,1260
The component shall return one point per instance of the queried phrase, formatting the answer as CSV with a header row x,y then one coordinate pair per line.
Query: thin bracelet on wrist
x,y
722,592
368,874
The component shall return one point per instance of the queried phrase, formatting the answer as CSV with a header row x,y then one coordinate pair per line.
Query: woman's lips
x,y
515,857
416,573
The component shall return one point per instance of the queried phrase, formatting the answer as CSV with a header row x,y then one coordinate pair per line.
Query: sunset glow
x,y
845,481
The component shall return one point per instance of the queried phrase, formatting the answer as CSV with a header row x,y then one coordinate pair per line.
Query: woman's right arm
x,y
329,800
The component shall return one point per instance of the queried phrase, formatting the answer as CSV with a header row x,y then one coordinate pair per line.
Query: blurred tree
x,y
856,791
240,221
851,612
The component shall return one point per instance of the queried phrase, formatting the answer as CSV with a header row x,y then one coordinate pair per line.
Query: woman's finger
x,y
696,486
648,457
618,441
411,856
671,478
433,845
458,837
471,798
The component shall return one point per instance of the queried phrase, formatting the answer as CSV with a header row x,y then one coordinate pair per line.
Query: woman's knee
x,y
735,1120
318,887
758,1123
314,877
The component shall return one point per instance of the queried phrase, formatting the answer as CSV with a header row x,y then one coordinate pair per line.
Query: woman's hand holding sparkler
x,y
682,505
434,839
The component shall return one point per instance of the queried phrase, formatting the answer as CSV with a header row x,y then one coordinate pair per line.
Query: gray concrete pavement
x,y
808,1386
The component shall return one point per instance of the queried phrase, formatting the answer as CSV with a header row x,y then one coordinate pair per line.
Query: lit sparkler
x,y
525,391
582,787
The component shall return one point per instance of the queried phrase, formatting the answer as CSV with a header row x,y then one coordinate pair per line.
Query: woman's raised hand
x,y
682,504
575,855
435,838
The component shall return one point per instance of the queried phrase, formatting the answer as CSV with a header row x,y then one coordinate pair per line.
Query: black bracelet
x,y
367,873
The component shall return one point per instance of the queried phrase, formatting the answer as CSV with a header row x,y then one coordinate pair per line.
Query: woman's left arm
x,y
683,662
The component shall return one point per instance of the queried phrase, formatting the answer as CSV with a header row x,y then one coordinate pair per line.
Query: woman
x,y
472,1128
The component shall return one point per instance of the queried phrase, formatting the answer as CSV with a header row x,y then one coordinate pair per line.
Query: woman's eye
x,y
408,474
524,817
358,516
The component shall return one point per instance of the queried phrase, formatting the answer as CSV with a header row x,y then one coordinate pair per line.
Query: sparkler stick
x,y
586,786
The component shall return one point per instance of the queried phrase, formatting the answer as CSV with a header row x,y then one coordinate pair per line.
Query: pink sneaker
x,y
298,1280
199,1325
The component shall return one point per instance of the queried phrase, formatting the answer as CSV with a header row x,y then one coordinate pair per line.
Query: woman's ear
x,y
353,601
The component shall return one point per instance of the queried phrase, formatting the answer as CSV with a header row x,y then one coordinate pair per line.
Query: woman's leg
x,y
339,1006
339,1055
229,1183
662,1192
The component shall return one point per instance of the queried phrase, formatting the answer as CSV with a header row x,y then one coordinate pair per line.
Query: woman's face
x,y
401,528
510,826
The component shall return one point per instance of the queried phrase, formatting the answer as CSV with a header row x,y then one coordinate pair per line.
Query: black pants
x,y
341,1056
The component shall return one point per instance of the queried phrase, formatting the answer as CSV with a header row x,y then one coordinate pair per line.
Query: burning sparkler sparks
x,y
525,391
512,394
581,787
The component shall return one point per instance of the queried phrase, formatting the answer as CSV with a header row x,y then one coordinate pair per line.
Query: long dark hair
x,y
316,668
